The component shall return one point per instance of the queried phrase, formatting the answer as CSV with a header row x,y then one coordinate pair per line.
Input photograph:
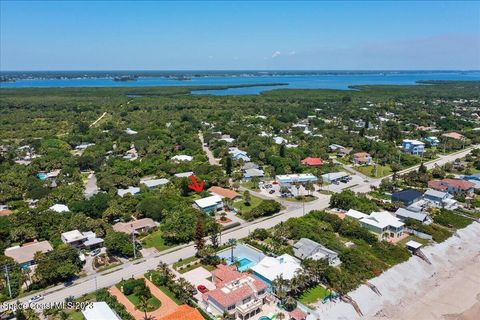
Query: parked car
x,y
95,252
271,191
202,288
36,298
68,283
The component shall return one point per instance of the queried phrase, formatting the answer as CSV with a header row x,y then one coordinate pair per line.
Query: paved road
x,y
208,152
108,278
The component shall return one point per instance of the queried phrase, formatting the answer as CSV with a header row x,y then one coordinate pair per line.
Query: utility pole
x,y
8,281
134,247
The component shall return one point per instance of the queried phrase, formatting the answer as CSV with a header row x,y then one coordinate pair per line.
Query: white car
x,y
35,298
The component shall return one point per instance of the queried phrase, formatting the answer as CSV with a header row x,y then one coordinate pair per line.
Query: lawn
x,y
76,315
196,265
313,295
155,240
243,208
184,262
169,294
370,170
306,198
414,238
153,302
249,185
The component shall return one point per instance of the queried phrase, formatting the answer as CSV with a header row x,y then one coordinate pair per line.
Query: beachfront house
x,y
407,196
238,294
383,224
302,178
413,146
99,311
440,199
24,255
420,216
452,186
309,249
269,268
209,204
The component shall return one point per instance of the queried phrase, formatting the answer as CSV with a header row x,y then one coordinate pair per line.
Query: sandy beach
x,y
447,289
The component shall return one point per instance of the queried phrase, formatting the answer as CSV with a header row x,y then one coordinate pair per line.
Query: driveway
x,y
199,276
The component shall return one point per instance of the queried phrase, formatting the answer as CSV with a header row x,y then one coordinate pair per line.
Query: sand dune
x,y
447,289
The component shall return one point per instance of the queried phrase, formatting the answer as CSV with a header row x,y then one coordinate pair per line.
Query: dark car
x,y
271,191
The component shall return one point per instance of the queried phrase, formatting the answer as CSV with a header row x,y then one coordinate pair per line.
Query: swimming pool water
x,y
42,175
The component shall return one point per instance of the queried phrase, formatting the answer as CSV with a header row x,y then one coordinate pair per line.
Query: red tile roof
x,y
5,212
222,192
444,184
225,276
184,312
297,314
362,156
454,135
309,161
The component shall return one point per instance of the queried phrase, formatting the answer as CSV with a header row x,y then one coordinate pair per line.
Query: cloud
x,y
292,53
276,54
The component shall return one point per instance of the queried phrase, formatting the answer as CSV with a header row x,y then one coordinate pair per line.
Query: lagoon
x,y
295,80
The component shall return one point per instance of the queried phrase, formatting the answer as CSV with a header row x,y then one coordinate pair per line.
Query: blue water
x,y
42,175
316,81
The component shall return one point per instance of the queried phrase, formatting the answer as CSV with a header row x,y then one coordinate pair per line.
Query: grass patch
x,y
76,315
153,303
413,238
110,266
372,172
250,185
313,295
306,198
380,195
194,266
155,240
451,220
184,262
243,208
169,294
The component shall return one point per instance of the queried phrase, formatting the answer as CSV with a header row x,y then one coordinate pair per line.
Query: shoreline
x,y
447,289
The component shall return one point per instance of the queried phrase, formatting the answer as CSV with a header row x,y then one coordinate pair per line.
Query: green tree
x,y
119,243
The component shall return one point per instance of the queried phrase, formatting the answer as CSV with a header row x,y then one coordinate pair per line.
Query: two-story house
x,y
241,295
413,146
452,186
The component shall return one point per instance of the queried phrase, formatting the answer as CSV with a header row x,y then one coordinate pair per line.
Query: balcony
x,y
249,306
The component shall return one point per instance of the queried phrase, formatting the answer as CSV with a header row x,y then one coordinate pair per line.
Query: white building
x,y
59,208
99,311
130,190
209,204
152,183
182,157
269,268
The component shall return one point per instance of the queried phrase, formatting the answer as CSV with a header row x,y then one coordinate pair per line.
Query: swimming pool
x,y
42,175
245,255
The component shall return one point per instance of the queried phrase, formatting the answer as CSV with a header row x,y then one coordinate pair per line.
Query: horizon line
x,y
223,70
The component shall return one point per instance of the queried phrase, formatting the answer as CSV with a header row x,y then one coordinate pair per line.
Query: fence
x,y
419,234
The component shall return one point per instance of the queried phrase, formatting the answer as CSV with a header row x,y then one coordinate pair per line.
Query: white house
x,y
269,268
59,208
209,204
182,157
280,140
99,311
440,199
152,183
383,224
309,249
130,190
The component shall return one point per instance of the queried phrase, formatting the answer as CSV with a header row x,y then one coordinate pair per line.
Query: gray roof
x,y
305,248
254,173
435,193
250,165
404,213
155,182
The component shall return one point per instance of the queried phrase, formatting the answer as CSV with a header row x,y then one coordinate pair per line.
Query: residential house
x,y
280,140
413,146
238,154
473,178
241,295
407,196
130,190
383,224
440,199
433,141
312,162
340,150
181,157
59,208
224,193
452,186
269,268
184,174
249,165
362,158
79,239
454,135
309,249
250,173
302,178
404,214
135,226
99,311
153,183
25,254
209,204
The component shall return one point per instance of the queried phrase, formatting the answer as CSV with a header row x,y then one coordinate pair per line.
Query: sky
x,y
270,35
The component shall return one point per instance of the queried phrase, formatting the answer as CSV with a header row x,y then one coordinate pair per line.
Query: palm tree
x,y
166,274
279,286
143,305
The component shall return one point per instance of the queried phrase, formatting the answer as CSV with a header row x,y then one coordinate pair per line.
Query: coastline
x,y
447,289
